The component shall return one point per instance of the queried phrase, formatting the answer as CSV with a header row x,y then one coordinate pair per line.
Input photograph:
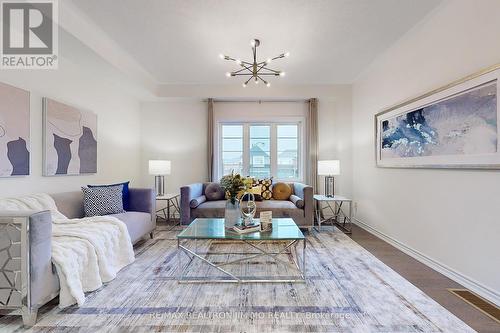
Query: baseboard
x,y
458,277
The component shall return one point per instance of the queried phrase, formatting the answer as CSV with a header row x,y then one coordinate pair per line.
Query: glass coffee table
x,y
279,243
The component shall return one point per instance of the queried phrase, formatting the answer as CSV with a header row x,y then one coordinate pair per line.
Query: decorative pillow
x,y
103,200
299,203
197,201
126,194
247,197
214,191
282,191
257,192
265,185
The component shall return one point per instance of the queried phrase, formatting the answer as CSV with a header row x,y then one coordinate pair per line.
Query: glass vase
x,y
232,215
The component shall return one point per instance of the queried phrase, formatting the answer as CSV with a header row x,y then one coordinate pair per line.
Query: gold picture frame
x,y
461,87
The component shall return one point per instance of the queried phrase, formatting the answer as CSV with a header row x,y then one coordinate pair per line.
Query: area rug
x,y
347,290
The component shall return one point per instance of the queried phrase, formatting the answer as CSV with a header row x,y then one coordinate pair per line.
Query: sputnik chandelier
x,y
255,70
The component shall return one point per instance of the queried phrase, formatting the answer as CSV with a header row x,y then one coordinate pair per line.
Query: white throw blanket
x,y
87,252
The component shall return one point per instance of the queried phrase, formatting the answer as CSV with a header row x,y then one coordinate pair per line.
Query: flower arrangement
x,y
233,184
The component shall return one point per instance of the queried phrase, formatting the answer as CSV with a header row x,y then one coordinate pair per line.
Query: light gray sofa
x,y
33,231
303,217
140,219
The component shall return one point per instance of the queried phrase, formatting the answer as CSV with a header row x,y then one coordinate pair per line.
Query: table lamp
x,y
329,168
159,169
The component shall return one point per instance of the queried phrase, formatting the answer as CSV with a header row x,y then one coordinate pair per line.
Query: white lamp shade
x,y
329,168
159,167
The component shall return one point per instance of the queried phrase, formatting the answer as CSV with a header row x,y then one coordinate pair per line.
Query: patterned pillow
x,y
126,193
265,186
257,192
103,200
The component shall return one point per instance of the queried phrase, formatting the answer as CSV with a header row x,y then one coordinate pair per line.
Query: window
x,y
232,149
261,150
288,152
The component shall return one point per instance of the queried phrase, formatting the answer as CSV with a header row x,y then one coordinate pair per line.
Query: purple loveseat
x,y
303,216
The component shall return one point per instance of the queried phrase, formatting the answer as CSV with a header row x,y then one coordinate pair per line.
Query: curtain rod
x,y
260,101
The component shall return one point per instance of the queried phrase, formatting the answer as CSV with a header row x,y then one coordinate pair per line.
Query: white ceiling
x,y
331,42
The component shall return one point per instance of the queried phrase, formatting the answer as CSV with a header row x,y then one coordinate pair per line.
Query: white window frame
x,y
273,146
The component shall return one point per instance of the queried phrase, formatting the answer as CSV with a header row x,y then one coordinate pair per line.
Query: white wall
x,y
83,80
335,138
451,218
175,129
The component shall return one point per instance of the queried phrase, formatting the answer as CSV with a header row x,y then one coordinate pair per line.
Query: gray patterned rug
x,y
347,290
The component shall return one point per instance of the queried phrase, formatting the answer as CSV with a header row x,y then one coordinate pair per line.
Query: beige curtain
x,y
210,139
312,144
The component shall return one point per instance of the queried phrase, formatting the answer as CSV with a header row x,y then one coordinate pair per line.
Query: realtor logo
x,y
29,34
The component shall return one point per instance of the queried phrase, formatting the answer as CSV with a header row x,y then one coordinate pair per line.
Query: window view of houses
x,y
261,150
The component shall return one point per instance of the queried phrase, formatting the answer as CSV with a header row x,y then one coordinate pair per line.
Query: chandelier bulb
x,y
244,85
221,56
252,42
268,84
256,81
282,73
268,61
228,74
287,54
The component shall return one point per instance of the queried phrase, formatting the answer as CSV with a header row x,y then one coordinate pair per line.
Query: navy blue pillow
x,y
125,193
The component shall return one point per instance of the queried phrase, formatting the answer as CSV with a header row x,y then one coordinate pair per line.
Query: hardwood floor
x,y
426,279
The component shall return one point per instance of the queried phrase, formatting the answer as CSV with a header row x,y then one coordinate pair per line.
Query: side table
x,y
334,204
172,202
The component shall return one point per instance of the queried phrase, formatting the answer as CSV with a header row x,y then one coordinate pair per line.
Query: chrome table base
x,y
290,249
337,212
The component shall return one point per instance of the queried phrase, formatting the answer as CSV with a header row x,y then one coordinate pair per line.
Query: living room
x,y
314,118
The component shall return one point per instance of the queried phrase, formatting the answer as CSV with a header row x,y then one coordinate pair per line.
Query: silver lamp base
x,y
329,186
160,185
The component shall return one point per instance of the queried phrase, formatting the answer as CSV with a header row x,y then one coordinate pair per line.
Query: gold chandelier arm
x,y
247,68
271,70
241,70
246,82
265,82
260,67
281,56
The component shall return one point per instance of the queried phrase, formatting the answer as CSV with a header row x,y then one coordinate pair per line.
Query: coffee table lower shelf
x,y
289,249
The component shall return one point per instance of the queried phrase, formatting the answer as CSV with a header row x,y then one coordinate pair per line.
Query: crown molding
x,y
252,92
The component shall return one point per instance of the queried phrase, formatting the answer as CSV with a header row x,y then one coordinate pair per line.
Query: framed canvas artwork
x,y
14,131
456,126
70,139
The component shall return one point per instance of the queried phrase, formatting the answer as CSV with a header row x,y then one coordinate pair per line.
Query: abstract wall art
x,y
70,139
456,126
14,131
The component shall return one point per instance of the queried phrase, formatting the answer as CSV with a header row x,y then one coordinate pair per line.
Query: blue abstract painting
x,y
464,124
